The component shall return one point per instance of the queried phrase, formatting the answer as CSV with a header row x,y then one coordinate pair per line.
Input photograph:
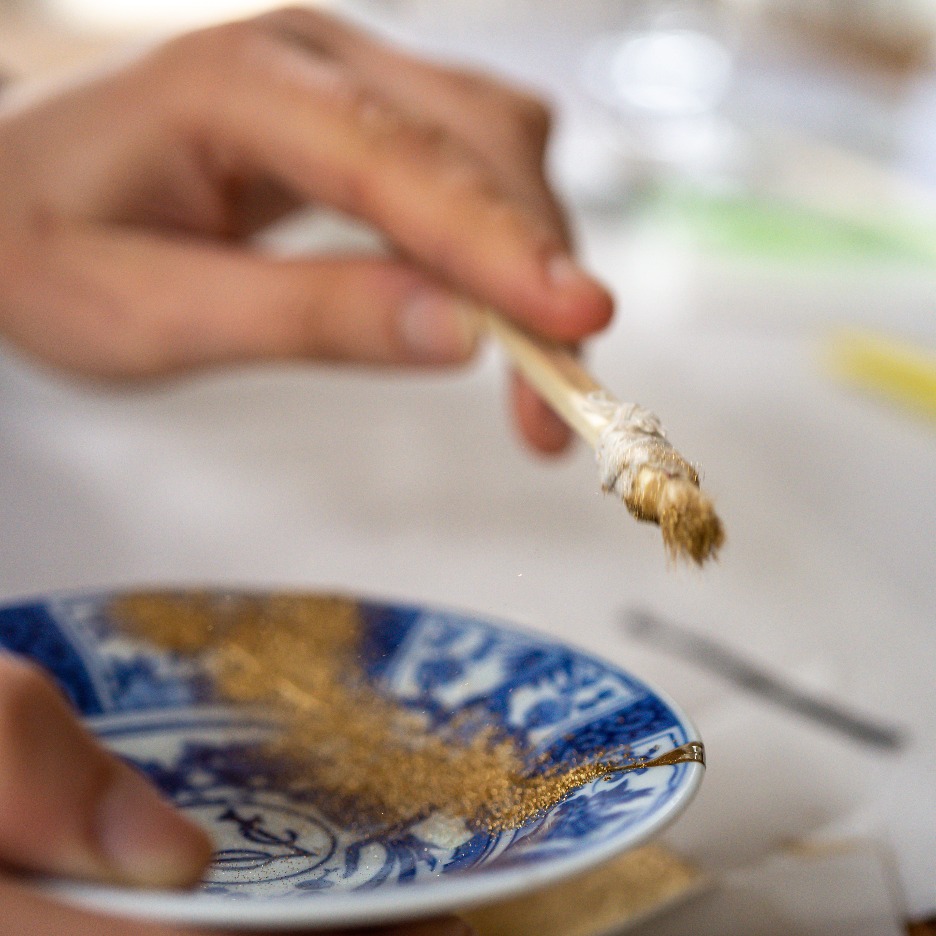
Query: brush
x,y
635,460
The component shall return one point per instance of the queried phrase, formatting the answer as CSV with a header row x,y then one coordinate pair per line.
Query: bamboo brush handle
x,y
555,373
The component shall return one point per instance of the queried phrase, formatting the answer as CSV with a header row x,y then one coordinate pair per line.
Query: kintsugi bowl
x,y
281,861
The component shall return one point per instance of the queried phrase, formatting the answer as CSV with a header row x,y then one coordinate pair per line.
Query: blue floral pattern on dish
x,y
273,841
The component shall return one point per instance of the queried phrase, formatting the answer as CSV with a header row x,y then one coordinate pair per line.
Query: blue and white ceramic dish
x,y
282,863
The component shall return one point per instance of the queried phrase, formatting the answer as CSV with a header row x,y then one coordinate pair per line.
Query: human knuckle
x,y
379,123
522,127
227,37
463,173
390,131
222,50
470,83
411,148
518,105
472,192
310,20
237,49
295,11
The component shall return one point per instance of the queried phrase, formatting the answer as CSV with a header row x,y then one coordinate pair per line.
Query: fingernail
x,y
435,329
144,839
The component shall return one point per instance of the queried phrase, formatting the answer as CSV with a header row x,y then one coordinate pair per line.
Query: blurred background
x,y
756,181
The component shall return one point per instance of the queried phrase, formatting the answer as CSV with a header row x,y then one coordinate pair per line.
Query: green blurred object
x,y
774,229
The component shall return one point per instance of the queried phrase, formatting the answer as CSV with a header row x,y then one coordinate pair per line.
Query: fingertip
x,y
144,839
99,819
582,304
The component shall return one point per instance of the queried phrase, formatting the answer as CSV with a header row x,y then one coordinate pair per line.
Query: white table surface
x,y
413,486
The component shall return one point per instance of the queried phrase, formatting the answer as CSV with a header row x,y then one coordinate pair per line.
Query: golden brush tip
x,y
691,529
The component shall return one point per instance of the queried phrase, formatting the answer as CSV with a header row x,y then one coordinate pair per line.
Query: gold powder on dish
x,y
369,759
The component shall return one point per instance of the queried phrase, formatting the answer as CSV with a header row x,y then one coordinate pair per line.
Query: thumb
x,y
133,303
372,310
69,808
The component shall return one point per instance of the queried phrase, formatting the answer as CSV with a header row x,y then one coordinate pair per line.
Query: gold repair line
x,y
693,752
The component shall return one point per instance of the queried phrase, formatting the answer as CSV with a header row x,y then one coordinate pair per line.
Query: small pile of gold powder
x,y
369,759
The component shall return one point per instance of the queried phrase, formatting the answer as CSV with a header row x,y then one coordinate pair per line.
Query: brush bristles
x,y
691,529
